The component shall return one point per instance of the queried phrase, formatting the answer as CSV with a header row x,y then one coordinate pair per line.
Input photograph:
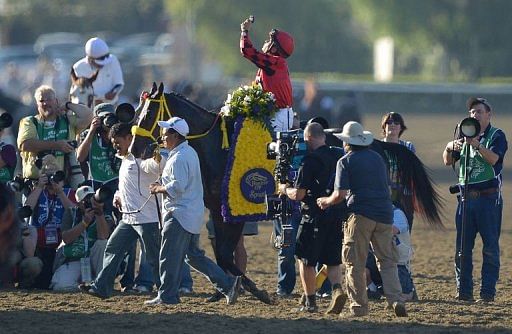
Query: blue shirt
x,y
182,181
364,175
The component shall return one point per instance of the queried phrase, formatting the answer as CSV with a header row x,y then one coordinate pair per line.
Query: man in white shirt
x,y
183,210
109,81
140,214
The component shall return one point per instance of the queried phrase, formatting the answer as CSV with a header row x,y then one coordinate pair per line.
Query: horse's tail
x,y
415,178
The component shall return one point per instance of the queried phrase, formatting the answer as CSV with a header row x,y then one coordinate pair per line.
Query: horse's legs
x,y
226,239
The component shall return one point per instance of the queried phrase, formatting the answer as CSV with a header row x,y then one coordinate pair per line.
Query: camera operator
x,y
320,232
484,203
52,130
98,152
85,231
48,201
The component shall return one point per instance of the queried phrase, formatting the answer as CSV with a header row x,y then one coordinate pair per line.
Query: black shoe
x,y
464,297
215,297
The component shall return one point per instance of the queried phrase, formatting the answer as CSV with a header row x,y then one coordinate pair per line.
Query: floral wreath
x,y
251,102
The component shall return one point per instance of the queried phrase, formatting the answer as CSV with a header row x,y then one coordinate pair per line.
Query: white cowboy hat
x,y
354,134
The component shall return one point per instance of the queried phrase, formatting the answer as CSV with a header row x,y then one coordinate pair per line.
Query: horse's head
x,y
147,131
81,90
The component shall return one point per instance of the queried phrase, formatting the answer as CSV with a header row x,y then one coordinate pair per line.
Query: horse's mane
x,y
192,104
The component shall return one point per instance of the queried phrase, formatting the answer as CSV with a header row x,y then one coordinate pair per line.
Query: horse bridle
x,y
163,110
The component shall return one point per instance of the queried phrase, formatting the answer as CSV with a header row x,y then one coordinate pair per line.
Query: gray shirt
x,y
182,181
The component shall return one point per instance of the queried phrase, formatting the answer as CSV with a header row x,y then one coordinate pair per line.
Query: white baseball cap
x,y
178,124
97,49
82,192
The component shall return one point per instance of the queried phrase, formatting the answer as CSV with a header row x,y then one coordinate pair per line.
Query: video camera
x,y
288,151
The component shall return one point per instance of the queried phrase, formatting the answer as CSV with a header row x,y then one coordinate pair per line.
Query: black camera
x,y
23,213
56,177
109,120
100,196
19,184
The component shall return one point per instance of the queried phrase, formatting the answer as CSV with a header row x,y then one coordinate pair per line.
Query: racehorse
x,y
205,137
81,90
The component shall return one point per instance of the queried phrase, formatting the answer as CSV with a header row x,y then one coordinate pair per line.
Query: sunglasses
x,y
390,121
103,57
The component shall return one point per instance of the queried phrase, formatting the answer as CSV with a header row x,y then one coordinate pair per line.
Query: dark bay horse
x,y
205,137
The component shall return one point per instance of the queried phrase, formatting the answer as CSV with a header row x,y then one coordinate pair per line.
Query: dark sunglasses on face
x,y
102,57
390,121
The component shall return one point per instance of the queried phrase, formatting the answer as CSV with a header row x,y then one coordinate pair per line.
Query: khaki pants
x,y
359,232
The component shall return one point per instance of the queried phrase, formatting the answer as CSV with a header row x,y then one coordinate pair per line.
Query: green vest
x,y
76,250
481,170
59,132
100,162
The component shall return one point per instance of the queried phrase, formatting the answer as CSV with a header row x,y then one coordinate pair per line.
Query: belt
x,y
474,194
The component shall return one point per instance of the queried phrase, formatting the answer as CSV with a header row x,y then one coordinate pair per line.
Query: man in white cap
x,y
183,211
109,81
362,179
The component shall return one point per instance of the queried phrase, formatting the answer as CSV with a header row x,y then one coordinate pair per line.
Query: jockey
x,y
273,72
109,82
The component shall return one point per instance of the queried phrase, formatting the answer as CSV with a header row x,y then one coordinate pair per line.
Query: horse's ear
x,y
94,76
161,88
73,75
153,89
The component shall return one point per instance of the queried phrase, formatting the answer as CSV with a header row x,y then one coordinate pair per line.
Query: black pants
x,y
47,255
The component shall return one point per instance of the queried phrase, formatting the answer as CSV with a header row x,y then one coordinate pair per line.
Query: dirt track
x,y
436,312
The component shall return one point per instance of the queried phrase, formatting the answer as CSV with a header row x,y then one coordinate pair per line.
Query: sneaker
x,y
153,302
185,291
283,294
141,289
215,297
339,298
464,297
485,299
90,290
399,309
306,309
234,291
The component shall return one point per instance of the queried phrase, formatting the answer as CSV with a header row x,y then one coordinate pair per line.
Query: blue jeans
x,y
179,245
483,215
286,274
145,275
118,244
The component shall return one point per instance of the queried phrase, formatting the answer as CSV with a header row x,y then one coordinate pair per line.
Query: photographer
x,y
484,154
52,131
98,152
320,232
48,201
84,234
